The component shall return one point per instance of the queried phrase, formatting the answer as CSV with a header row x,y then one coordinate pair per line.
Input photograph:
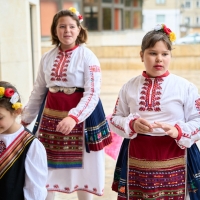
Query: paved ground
x,y
111,84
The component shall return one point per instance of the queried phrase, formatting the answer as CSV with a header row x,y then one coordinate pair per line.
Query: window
x,y
127,3
187,4
198,3
160,18
118,1
111,15
160,1
91,17
137,20
187,20
107,19
198,20
90,1
107,1
118,19
137,3
127,20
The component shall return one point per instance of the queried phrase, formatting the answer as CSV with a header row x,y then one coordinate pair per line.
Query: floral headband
x,y
14,97
167,31
72,9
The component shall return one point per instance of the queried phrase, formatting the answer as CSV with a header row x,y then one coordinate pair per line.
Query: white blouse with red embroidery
x,y
77,67
169,99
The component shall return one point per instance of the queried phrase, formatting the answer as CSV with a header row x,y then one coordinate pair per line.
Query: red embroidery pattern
x,y
56,186
59,70
197,104
95,68
150,95
76,186
195,132
67,189
2,146
186,135
91,93
114,113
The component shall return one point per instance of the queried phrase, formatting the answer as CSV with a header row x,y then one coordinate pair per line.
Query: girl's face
x,y
156,59
7,121
67,32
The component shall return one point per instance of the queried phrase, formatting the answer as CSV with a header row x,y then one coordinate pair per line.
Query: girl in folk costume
x,y
73,127
23,165
158,114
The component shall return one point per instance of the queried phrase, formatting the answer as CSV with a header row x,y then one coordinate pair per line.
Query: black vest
x,y
12,182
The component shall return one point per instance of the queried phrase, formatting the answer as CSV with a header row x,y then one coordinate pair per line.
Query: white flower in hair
x,y
158,27
14,99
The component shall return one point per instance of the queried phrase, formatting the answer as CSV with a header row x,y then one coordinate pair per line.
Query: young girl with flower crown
x,y
73,126
23,166
158,114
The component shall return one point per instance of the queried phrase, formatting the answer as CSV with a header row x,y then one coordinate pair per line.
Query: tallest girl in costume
x,y
158,114
73,127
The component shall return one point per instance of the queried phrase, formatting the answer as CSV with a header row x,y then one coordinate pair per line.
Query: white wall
x,y
15,44
118,38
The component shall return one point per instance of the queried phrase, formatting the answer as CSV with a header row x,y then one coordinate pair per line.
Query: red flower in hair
x,y
80,17
166,30
9,92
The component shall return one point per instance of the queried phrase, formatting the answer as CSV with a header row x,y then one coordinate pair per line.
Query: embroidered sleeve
x,y
121,117
191,127
92,86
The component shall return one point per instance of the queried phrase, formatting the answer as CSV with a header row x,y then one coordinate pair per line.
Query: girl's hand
x,y
169,129
140,125
66,125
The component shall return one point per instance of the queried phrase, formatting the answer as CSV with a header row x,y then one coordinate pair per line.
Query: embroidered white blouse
x,y
78,67
169,99
35,167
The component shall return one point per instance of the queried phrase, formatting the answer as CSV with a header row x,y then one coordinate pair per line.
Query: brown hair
x,y
5,101
150,39
82,37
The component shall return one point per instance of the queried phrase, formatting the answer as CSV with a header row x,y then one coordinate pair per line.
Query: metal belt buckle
x,y
54,89
69,90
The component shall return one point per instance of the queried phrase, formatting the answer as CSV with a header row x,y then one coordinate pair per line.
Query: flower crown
x,y
167,31
80,17
14,97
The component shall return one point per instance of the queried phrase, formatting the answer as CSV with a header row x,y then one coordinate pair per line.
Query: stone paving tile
x,y
112,81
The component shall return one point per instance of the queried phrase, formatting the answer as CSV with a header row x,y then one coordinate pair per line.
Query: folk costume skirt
x,y
150,168
70,166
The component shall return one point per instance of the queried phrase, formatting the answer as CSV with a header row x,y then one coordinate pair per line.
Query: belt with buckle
x,y
66,90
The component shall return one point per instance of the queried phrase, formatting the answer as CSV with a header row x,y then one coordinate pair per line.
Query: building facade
x,y
190,16
182,16
161,12
109,22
